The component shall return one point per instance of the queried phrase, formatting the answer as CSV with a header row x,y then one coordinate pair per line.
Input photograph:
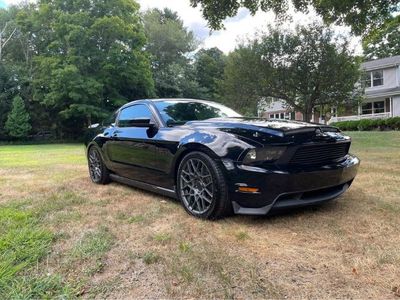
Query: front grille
x,y
320,154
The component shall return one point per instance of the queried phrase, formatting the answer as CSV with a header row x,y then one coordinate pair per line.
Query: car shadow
x,y
290,214
146,192
271,217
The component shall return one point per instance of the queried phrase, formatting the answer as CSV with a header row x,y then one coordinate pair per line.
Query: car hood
x,y
277,127
262,130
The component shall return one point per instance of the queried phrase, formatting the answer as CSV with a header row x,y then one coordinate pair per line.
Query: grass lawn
x,y
61,235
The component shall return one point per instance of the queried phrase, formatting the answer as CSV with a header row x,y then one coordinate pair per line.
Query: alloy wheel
x,y
196,186
95,165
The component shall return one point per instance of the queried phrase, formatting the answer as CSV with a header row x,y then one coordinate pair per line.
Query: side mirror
x,y
93,126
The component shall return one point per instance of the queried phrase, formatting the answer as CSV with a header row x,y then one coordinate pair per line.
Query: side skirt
x,y
144,186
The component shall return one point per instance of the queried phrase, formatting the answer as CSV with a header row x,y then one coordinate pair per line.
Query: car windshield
x,y
180,112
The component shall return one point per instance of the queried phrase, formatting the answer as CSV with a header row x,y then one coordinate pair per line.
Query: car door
x,y
131,147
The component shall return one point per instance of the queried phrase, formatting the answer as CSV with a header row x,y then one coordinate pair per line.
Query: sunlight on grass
x,y
41,155
23,242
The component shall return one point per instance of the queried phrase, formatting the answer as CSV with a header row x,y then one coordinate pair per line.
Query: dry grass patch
x,y
118,242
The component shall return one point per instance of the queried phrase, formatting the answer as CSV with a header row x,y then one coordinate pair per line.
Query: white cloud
x,y
12,2
238,28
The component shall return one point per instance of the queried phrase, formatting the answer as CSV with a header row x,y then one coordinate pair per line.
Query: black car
x,y
216,162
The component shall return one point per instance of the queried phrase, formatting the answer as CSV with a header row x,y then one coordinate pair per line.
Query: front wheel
x,y
201,187
97,169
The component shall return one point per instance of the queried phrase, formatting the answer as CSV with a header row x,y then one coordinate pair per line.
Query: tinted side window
x,y
131,113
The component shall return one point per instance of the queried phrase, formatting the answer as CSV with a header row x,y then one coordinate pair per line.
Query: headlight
x,y
263,155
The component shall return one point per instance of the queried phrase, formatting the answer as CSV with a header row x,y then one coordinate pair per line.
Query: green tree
x,y
241,84
306,68
362,16
90,58
7,89
209,67
384,41
11,69
7,30
169,44
17,124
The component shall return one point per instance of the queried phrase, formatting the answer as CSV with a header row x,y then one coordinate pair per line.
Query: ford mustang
x,y
217,162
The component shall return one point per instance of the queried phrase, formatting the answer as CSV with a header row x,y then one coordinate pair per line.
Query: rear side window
x,y
132,113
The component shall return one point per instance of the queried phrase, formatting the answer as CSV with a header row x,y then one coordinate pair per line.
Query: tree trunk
x,y
89,120
1,44
307,114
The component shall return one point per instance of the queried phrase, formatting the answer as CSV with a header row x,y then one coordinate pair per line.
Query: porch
x,y
360,117
378,108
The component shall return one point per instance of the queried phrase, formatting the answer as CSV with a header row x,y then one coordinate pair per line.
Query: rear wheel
x,y
201,187
97,169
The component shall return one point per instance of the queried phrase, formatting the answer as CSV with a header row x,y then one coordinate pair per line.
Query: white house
x,y
382,92
278,109
382,96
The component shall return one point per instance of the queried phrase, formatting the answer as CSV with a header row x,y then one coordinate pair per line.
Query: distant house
x,y
278,109
382,96
382,92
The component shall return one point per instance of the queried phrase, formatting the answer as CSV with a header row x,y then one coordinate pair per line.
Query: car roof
x,y
142,101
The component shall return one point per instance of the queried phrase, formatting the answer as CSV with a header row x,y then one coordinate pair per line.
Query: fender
x,y
222,144
217,144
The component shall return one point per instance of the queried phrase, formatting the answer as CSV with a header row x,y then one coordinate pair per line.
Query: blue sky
x,y
2,4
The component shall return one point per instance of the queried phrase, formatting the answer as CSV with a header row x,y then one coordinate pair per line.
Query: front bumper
x,y
281,188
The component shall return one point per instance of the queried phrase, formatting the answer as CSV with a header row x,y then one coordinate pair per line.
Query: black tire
x,y
98,172
193,189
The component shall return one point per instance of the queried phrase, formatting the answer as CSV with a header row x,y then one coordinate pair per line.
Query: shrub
x,y
393,123
367,124
380,124
352,125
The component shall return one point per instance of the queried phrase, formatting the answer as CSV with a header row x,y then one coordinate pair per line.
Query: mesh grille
x,y
320,154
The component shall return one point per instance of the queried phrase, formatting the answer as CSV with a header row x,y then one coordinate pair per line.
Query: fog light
x,y
246,189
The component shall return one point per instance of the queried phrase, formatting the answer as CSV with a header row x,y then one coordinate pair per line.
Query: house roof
x,y
275,106
383,92
381,63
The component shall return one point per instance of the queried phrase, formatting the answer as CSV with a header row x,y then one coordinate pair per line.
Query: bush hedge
x,y
366,124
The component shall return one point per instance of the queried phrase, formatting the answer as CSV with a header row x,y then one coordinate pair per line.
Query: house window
x,y
377,77
281,116
374,78
367,109
377,107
